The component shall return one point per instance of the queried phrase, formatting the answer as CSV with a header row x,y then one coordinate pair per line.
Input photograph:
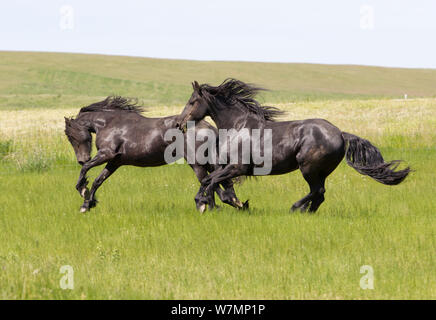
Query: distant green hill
x,y
30,79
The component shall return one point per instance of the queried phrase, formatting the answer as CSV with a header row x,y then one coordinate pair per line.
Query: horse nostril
x,y
81,163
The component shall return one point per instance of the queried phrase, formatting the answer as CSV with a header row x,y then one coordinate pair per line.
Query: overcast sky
x,y
376,32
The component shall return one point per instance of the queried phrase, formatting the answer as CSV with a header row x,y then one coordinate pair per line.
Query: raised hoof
x,y
245,205
293,209
202,208
302,209
88,205
237,203
85,193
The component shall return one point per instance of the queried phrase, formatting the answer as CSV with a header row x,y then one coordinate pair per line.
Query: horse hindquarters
x,y
322,151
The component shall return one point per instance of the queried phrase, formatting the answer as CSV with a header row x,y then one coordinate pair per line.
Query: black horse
x,y
125,137
315,146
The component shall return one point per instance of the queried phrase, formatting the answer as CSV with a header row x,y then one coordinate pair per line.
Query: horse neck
x,y
89,121
231,117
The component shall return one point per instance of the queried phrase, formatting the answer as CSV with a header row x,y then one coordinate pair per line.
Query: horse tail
x,y
366,159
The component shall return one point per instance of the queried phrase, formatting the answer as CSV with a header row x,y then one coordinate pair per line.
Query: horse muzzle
x,y
82,161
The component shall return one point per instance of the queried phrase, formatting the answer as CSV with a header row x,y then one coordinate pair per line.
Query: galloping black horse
x,y
315,146
125,137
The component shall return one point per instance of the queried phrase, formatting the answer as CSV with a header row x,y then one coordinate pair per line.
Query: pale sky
x,y
375,32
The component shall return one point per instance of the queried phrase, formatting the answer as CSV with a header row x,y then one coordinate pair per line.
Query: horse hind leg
x,y
316,164
318,191
302,204
315,198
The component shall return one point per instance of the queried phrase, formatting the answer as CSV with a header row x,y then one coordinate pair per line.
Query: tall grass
x,y
145,239
6,148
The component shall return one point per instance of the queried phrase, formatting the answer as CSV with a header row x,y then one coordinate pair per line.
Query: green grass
x,y
54,80
145,239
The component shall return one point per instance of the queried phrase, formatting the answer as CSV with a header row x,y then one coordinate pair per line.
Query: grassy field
x,y
53,80
145,239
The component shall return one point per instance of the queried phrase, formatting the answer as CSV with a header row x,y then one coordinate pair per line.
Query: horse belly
x,y
283,160
138,156
284,166
145,161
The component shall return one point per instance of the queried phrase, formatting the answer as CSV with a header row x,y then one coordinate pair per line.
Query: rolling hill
x,y
30,79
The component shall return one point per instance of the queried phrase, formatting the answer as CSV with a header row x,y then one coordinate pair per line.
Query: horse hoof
x,y
83,209
202,208
238,203
245,206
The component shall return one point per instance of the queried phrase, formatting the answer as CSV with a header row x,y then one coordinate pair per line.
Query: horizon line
x,y
220,61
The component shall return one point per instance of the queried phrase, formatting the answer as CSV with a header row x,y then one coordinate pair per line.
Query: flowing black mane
x,y
236,93
76,131
114,103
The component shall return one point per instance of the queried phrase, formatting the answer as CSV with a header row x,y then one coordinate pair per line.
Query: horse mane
x,y
112,103
233,92
76,131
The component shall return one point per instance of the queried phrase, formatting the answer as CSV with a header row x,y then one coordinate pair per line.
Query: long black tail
x,y
367,160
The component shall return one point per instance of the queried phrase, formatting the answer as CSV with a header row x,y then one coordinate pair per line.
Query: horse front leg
x,y
201,172
228,195
82,183
91,202
202,200
209,183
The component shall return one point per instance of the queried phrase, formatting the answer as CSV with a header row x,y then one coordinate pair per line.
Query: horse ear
x,y
196,86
